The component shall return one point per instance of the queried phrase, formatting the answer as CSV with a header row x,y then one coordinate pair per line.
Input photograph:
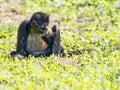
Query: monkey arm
x,y
22,36
56,46
21,41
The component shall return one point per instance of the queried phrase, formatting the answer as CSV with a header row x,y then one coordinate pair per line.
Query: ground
x,y
88,25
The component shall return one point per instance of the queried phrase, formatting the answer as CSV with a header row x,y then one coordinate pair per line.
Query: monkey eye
x,y
34,22
43,27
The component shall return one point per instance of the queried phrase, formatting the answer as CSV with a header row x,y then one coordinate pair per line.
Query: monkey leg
x,y
45,52
57,49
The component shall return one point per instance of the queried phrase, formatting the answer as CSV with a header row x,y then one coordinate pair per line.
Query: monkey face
x,y
37,28
39,22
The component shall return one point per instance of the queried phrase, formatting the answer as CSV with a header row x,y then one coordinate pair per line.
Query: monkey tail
x,y
77,52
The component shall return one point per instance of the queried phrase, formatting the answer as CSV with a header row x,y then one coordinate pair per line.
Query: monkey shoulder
x,y
24,23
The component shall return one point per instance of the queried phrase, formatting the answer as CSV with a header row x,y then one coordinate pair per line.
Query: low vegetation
x,y
89,25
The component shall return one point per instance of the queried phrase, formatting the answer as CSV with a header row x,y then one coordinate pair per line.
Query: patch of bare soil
x,y
11,17
70,62
65,62
8,14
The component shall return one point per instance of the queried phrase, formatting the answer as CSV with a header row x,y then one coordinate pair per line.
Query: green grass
x,y
89,24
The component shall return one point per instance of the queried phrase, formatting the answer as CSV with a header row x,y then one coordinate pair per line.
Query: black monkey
x,y
36,38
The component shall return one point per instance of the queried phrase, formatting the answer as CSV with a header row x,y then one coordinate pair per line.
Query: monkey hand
x,y
15,54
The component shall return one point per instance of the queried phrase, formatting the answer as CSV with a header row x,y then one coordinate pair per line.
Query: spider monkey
x,y
36,38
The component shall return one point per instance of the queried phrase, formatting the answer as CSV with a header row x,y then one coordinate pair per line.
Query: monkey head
x,y
39,22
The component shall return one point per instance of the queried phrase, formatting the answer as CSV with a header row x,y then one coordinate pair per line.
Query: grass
x,y
85,25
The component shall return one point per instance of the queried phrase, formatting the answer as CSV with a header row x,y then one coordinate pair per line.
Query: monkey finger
x,y
19,56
